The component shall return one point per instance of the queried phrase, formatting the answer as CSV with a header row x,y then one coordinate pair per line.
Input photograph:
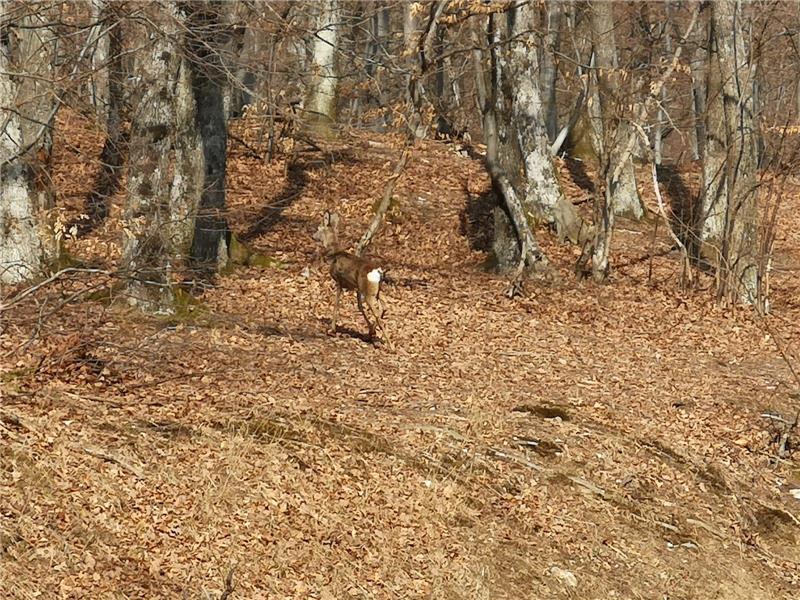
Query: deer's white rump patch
x,y
375,275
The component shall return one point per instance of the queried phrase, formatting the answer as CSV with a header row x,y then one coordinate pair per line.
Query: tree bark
x,y
99,81
321,99
28,243
414,90
698,67
553,13
661,119
504,165
729,229
150,253
207,37
108,85
542,197
606,108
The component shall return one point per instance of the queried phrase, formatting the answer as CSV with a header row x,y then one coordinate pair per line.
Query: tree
x,y
28,242
543,197
108,96
515,241
174,217
607,112
207,36
321,98
729,218
552,16
151,251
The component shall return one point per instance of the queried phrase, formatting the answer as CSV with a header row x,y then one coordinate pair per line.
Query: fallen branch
x,y
115,460
28,291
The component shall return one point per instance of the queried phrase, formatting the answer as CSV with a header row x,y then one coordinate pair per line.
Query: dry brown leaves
x,y
612,432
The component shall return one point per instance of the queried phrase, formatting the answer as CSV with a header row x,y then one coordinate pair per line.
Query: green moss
x,y
265,262
240,254
13,375
186,309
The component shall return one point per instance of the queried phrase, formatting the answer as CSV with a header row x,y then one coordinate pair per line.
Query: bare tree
x,y
609,114
150,253
728,228
207,36
515,241
698,64
108,89
550,43
28,242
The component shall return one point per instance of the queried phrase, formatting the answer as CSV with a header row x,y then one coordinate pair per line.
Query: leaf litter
x,y
149,458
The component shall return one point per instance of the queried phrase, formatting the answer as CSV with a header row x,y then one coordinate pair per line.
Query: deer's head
x,y
327,233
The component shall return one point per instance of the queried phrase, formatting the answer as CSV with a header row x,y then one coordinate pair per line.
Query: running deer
x,y
351,272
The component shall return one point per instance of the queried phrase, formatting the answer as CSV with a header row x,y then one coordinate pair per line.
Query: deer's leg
x,y
360,298
376,308
335,316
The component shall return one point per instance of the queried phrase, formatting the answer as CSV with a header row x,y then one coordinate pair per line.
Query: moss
x,y
240,254
186,308
265,262
105,295
65,260
10,376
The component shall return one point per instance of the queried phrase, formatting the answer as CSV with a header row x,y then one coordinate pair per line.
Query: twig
x,y
251,152
115,460
229,587
27,292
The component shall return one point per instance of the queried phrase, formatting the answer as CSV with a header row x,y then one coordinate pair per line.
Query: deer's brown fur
x,y
354,273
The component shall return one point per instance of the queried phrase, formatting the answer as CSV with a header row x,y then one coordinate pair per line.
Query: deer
x,y
353,273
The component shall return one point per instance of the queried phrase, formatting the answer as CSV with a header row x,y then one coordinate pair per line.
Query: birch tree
x,y
28,241
321,98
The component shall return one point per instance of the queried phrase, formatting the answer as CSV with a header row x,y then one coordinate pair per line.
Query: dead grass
x,y
613,432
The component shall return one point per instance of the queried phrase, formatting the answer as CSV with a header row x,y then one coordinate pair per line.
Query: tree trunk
x,y
111,73
553,13
607,102
658,130
149,253
697,66
504,165
414,91
99,81
543,198
321,99
206,40
729,231
28,243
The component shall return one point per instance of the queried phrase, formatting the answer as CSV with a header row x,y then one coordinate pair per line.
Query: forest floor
x,y
581,441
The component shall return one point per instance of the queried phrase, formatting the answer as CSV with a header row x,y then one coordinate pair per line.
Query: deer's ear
x,y
334,219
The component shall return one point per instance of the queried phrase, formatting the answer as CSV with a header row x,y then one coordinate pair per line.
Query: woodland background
x,y
588,212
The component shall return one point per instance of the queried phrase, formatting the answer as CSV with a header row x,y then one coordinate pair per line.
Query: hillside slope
x,y
582,441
